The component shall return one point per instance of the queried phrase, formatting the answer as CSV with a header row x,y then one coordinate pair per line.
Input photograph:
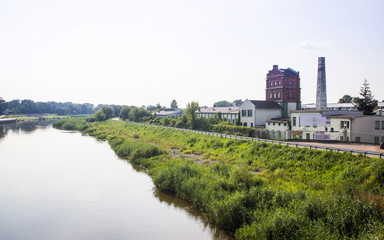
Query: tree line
x,y
27,106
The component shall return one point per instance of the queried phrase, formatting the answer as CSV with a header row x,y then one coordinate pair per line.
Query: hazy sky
x,y
147,52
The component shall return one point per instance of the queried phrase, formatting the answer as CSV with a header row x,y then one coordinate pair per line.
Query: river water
x,y
57,184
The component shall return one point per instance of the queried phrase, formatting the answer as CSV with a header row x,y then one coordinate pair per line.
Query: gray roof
x,y
218,109
265,104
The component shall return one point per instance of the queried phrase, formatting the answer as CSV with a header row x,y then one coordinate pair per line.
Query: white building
x,y
170,112
346,126
254,113
227,113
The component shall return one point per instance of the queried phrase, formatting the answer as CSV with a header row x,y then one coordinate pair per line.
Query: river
x,y
57,184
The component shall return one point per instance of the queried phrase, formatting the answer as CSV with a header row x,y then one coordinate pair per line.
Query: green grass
x,y
257,190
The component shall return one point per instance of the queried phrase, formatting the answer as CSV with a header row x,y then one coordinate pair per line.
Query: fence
x,y
351,151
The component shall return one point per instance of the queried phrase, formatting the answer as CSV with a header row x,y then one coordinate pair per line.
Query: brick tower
x,y
321,91
283,87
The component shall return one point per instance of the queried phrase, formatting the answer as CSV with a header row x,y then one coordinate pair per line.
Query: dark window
x,y
291,95
294,121
377,140
308,136
279,83
332,130
251,124
358,139
382,125
269,123
273,124
279,124
243,113
377,124
382,139
249,113
326,129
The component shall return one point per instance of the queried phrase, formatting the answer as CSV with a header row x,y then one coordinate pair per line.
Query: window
x,y
358,139
308,136
326,129
278,83
273,124
332,130
243,113
291,95
274,83
269,123
382,139
344,124
274,95
377,140
249,113
290,83
278,95
251,124
270,84
270,95
279,124
377,124
382,125
294,121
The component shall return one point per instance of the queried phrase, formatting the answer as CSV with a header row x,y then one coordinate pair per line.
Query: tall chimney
x,y
321,92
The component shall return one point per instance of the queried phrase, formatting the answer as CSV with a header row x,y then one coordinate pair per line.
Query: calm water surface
x,y
61,185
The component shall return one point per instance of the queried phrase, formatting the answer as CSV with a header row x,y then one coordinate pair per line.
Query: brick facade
x,y
283,85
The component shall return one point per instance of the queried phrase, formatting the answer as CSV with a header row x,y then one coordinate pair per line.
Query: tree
x,y
223,103
345,99
124,112
174,104
366,103
192,107
104,113
238,102
3,105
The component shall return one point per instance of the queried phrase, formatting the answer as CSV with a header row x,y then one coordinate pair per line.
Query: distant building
x,y
330,106
254,112
283,87
339,125
278,129
170,112
227,113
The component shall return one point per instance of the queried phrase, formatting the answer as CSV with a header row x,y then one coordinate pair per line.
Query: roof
x,y
355,116
280,120
265,104
289,71
218,109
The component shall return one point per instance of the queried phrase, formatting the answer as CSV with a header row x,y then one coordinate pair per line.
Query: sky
x,y
152,51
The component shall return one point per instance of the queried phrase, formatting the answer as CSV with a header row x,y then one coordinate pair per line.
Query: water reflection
x,y
82,191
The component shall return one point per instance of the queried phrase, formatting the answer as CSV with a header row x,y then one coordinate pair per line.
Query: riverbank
x,y
256,190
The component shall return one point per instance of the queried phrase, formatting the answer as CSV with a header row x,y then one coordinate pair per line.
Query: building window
x,y
377,140
270,95
358,139
273,124
382,125
294,121
269,123
344,124
278,83
270,84
382,139
279,124
377,124
326,129
308,136
291,95
251,124
278,95
291,83
274,83
274,95
249,113
332,130
243,113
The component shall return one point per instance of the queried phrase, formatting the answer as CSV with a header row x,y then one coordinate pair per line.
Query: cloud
x,y
313,45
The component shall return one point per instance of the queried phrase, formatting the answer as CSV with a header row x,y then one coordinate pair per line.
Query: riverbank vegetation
x,y
256,190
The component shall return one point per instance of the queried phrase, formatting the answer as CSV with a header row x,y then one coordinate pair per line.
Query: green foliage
x,y
124,113
345,99
233,130
223,103
174,104
366,103
258,190
3,105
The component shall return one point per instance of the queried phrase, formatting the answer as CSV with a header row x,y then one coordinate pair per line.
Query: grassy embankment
x,y
257,190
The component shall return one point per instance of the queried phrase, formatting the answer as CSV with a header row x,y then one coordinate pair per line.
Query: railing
x,y
291,144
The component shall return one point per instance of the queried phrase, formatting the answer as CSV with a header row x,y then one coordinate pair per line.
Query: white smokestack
x,y
321,92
